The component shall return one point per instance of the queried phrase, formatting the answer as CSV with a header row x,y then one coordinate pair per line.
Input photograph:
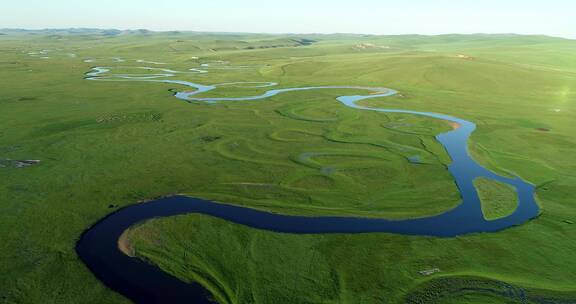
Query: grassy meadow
x,y
105,145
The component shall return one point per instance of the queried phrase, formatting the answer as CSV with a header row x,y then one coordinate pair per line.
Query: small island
x,y
498,200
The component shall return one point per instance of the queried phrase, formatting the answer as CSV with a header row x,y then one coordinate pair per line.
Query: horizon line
x,y
278,33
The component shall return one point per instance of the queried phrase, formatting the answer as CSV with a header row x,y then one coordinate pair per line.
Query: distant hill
x,y
74,31
412,38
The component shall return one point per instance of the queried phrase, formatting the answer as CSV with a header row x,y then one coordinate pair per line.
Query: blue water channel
x,y
145,283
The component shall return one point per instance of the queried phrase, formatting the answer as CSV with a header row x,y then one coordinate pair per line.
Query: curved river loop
x,y
146,283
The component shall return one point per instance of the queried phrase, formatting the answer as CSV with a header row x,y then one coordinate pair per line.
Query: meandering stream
x,y
146,283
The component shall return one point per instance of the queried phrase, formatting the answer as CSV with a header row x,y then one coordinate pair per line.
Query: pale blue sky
x,y
550,17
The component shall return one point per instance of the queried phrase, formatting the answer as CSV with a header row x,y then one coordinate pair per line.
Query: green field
x,y
106,145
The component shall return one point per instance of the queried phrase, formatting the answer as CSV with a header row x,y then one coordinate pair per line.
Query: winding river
x,y
146,283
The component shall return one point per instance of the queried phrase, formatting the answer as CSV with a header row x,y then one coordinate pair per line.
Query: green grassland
x,y
243,265
497,199
105,145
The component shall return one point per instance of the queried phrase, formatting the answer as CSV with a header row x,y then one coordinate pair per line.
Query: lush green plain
x,y
104,145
